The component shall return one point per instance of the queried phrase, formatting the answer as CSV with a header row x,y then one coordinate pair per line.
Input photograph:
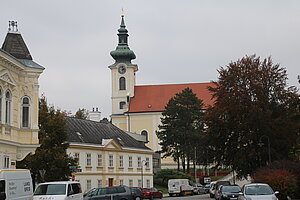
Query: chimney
x,y
94,115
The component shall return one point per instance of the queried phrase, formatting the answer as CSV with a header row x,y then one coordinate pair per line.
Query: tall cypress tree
x,y
181,126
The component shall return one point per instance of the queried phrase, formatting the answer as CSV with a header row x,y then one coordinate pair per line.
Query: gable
x,y
154,98
7,77
110,144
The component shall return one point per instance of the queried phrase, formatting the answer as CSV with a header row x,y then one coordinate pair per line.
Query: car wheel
x,y
170,194
161,196
138,198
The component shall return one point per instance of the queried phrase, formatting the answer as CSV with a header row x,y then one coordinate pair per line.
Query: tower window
x,y
7,107
122,104
25,112
145,133
122,83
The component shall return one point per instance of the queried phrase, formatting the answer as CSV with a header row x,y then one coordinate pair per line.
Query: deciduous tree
x,y
252,105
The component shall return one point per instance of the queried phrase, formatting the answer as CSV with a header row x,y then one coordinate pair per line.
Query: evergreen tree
x,y
252,106
50,161
181,126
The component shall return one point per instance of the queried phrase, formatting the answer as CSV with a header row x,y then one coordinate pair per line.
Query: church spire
x,y
123,52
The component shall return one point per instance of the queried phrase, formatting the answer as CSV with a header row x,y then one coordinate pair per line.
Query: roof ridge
x,y
168,84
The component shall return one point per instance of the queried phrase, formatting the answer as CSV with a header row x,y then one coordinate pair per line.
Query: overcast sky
x,y
174,41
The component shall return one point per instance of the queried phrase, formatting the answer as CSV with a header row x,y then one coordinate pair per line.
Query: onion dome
x,y
123,52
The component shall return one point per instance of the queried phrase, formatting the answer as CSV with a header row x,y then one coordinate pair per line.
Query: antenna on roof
x,y
13,26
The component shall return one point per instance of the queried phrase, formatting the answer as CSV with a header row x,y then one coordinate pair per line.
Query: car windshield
x,y
234,189
51,189
259,190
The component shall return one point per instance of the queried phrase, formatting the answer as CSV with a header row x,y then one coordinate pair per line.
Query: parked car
x,y
198,188
212,189
115,192
15,184
228,192
206,188
218,184
259,191
137,193
179,187
60,190
152,193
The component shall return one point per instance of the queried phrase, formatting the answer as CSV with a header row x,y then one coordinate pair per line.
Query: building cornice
x,y
17,144
101,147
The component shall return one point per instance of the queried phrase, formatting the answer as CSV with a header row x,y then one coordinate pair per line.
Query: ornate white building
x,y
19,92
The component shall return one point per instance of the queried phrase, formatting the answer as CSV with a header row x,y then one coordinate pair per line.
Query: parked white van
x,y
15,184
60,190
179,187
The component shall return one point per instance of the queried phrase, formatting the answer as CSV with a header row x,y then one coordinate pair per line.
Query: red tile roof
x,y
150,98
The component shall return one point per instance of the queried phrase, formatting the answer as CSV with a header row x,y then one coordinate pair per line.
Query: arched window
x,y
7,107
25,112
122,83
0,104
122,104
145,133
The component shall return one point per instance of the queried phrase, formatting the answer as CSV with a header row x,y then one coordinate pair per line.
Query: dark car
x,y
228,192
137,193
116,192
206,188
218,184
152,193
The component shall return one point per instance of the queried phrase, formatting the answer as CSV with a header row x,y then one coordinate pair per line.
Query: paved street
x,y
203,196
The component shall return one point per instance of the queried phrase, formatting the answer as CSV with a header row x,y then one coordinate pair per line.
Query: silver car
x,y
257,191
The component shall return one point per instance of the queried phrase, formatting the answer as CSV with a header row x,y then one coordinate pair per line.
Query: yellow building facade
x,y
108,156
19,93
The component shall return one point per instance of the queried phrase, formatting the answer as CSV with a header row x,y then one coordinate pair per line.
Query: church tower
x,y
122,74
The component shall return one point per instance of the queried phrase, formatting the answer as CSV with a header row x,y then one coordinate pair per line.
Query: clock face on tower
x,y
122,69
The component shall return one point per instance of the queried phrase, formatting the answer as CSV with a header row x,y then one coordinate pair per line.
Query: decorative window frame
x,y
29,111
8,107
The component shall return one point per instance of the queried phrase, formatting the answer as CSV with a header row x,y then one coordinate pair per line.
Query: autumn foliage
x,y
281,180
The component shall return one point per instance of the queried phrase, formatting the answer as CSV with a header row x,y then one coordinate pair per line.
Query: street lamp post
x,y
261,143
143,161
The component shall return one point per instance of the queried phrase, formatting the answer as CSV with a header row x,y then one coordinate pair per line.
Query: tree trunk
x,y
188,164
183,163
178,164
